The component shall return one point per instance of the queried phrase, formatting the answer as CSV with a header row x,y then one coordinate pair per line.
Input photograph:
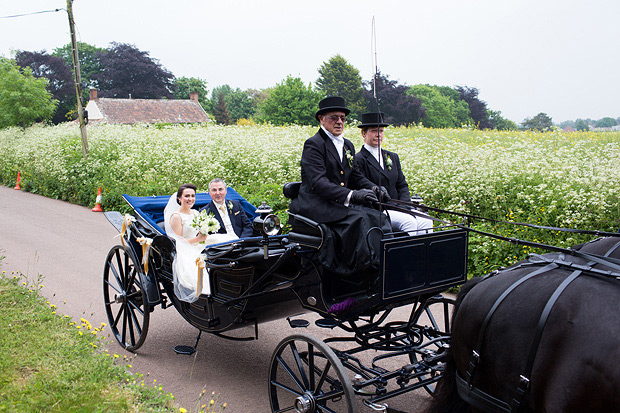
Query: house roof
x,y
131,111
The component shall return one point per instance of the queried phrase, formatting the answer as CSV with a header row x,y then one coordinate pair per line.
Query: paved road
x,y
68,245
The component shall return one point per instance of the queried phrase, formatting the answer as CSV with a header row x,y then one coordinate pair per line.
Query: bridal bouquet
x,y
205,223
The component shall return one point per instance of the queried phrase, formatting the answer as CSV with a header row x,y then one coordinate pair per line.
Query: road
x,y
67,244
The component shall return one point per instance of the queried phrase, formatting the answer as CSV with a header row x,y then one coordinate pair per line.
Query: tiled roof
x,y
150,111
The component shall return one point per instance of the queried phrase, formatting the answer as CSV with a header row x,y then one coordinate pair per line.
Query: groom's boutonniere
x,y
230,206
388,161
349,157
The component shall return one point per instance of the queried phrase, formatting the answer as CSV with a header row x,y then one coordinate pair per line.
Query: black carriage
x,y
272,276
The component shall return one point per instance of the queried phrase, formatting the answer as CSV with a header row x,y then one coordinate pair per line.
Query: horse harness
x,y
484,401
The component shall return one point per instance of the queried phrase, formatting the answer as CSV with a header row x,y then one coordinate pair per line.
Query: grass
x,y
52,363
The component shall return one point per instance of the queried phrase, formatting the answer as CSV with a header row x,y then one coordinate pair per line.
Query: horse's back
x,y
575,368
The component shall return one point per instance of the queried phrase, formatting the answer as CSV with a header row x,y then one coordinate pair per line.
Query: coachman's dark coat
x,y
391,178
326,180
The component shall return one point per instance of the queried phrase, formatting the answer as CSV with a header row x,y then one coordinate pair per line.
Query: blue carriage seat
x,y
151,208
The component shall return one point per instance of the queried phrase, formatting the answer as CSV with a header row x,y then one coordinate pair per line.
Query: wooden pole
x,y
78,79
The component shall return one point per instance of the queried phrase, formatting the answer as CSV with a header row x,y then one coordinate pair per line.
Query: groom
x,y
229,213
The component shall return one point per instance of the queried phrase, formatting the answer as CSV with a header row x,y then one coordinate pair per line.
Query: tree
x,y
477,108
24,99
128,71
220,111
339,78
443,106
291,102
499,122
394,100
60,79
606,122
581,124
240,105
541,122
184,85
89,57
461,108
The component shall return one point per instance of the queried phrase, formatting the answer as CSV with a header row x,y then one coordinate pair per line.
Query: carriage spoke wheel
x,y
125,299
306,376
436,314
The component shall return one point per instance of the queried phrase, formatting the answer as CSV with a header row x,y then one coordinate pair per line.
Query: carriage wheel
x,y
306,376
435,314
125,299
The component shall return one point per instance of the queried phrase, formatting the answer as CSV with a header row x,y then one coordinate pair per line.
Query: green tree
x,y
340,78
240,105
606,122
89,57
24,99
60,80
581,124
541,122
499,122
291,102
443,106
184,85
460,109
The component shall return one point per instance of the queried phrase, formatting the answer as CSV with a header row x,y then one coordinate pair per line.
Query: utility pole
x,y
78,78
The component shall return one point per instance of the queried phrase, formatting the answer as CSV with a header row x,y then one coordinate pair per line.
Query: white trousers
x,y
414,225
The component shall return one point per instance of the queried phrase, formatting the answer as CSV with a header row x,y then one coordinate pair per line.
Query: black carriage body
x,y
248,288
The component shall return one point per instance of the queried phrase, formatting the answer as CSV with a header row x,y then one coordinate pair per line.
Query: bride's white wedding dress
x,y
184,267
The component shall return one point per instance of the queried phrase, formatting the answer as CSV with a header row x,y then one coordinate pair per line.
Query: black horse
x,y
541,335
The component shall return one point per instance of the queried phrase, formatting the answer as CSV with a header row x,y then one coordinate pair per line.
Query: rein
x,y
606,260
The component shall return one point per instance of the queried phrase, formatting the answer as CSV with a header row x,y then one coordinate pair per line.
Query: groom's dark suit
x,y
391,177
238,218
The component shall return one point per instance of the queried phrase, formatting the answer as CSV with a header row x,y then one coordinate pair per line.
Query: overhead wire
x,y
30,14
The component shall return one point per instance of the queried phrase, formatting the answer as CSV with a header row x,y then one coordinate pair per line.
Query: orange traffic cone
x,y
19,178
97,207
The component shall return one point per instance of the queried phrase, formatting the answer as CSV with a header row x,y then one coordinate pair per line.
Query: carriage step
x,y
298,323
326,323
186,350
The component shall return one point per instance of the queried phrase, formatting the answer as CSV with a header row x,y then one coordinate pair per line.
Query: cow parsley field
x,y
553,179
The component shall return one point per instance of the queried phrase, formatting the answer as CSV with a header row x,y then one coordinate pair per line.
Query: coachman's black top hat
x,y
332,104
373,119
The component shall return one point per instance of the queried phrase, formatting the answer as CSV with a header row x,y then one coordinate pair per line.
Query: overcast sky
x,y
560,57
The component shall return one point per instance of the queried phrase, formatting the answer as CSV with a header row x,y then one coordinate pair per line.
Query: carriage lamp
x,y
267,223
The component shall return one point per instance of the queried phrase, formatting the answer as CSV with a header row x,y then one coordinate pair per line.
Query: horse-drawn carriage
x,y
272,276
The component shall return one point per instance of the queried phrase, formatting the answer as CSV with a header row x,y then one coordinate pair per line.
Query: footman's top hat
x,y
373,119
332,104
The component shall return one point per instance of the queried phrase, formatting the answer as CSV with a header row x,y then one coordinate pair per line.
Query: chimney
x,y
193,96
93,94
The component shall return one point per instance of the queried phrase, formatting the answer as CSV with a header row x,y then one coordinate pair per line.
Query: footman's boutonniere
x,y
230,206
349,157
388,161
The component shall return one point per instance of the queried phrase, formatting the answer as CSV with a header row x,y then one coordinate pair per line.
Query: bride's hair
x,y
183,188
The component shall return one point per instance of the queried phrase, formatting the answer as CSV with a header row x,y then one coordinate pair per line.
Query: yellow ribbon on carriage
x,y
127,221
200,263
146,246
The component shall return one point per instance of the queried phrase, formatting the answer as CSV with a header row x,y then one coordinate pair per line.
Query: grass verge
x,y
52,363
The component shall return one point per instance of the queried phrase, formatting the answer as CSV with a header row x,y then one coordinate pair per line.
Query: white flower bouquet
x,y
205,223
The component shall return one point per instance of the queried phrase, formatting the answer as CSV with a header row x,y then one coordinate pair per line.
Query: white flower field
x,y
555,179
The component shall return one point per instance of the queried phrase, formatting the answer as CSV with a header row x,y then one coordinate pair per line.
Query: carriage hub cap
x,y
305,403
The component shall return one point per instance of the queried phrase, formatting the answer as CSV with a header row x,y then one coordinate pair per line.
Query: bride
x,y
178,217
